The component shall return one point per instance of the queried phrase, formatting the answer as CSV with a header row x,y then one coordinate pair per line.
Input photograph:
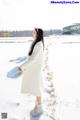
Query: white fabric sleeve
x,y
31,59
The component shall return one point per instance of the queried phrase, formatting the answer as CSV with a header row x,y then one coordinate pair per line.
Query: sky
x,y
28,14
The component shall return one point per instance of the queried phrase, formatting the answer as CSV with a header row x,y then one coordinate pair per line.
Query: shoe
x,y
37,111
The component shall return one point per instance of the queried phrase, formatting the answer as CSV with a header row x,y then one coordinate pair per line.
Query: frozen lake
x,y
63,60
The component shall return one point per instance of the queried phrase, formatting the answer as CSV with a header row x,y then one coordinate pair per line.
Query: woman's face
x,y
34,34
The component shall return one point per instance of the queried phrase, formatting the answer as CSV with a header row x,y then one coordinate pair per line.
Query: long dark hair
x,y
39,38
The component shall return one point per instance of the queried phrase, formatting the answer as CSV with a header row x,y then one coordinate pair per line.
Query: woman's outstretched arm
x,y
32,59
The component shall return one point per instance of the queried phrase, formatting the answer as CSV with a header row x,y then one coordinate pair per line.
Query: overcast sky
x,y
27,14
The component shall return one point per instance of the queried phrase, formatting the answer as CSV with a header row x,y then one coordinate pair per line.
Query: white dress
x,y
31,78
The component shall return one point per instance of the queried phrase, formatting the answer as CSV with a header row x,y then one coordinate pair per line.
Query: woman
x,y
32,70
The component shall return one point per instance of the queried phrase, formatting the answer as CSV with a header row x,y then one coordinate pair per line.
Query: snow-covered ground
x,y
61,79
64,60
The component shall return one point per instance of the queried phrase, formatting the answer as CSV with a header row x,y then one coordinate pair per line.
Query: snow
x,y
61,79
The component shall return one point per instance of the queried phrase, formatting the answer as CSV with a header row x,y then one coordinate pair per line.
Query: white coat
x,y
31,78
